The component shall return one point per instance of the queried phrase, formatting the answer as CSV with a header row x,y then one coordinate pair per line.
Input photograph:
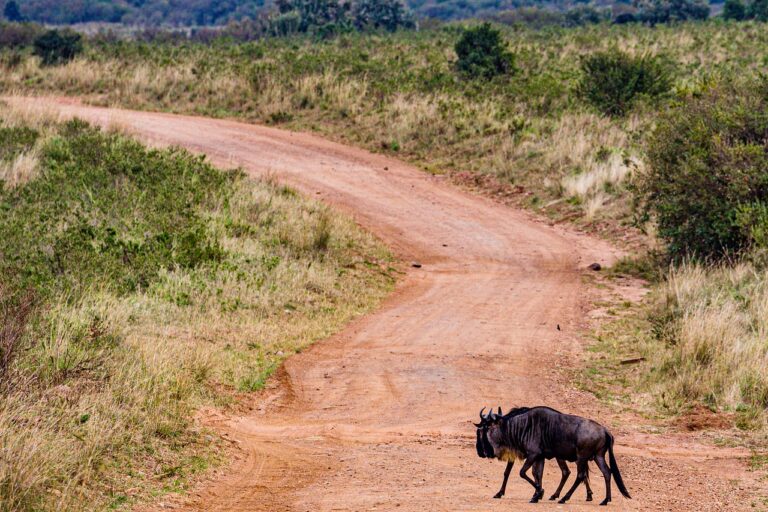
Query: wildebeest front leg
x,y
503,489
606,471
538,477
566,472
528,463
581,475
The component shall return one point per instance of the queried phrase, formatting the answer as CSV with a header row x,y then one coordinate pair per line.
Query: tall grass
x,y
711,325
99,382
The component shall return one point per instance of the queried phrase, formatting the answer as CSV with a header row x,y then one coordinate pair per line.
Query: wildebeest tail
x,y
615,467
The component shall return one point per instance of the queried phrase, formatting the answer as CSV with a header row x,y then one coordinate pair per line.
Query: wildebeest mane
x,y
522,410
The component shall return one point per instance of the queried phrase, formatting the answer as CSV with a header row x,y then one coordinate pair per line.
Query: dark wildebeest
x,y
485,450
539,433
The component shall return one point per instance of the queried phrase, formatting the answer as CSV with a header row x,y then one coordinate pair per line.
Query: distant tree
x,y
734,10
12,12
387,14
585,15
323,16
58,46
625,17
666,11
482,53
758,10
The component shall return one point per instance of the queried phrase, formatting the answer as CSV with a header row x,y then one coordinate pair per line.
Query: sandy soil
x,y
378,417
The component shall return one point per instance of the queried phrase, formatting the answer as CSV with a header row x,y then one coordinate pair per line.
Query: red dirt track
x,y
378,417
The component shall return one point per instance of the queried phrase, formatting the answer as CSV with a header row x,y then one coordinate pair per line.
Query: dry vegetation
x,y
98,382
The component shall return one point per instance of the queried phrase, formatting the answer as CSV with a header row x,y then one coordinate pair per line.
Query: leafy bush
x,y
16,35
482,53
16,140
58,46
669,11
389,15
53,238
612,81
758,10
707,186
734,10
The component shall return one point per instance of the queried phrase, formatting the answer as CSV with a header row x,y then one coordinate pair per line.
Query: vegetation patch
x,y
135,286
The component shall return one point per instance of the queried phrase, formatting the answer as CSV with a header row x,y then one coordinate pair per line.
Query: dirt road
x,y
377,418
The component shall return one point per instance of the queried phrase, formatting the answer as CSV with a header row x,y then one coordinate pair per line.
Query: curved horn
x,y
481,413
500,413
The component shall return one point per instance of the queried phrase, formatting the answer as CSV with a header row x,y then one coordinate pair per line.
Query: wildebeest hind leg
x,y
566,472
581,475
503,489
606,471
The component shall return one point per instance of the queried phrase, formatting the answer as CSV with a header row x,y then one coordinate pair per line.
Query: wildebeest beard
x,y
484,448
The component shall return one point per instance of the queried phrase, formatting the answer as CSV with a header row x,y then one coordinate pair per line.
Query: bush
x,y
58,46
612,81
707,186
53,239
734,10
482,53
16,35
667,11
389,15
758,10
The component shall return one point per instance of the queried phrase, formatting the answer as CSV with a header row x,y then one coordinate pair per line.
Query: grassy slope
x,y
400,94
161,284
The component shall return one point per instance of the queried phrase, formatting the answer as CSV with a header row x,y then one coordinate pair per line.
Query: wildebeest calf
x,y
539,433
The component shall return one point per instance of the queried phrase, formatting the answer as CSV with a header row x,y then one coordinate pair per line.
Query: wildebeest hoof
x,y
498,495
604,503
535,499
589,497
562,501
554,497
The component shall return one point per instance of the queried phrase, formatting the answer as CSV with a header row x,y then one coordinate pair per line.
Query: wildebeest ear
x,y
500,411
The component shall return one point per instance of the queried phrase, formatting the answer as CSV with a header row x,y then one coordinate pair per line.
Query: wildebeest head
x,y
484,447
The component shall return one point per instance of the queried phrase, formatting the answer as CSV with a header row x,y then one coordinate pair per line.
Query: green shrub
x,y
734,10
17,35
612,81
707,185
670,11
106,210
58,46
16,140
758,10
482,53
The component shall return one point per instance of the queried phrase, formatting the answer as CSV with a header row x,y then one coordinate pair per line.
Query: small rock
x,y
416,264
595,266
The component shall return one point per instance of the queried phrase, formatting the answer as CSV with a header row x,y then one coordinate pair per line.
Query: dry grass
x,y
20,170
712,323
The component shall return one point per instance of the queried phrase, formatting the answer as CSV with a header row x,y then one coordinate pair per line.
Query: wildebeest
x,y
484,449
539,433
